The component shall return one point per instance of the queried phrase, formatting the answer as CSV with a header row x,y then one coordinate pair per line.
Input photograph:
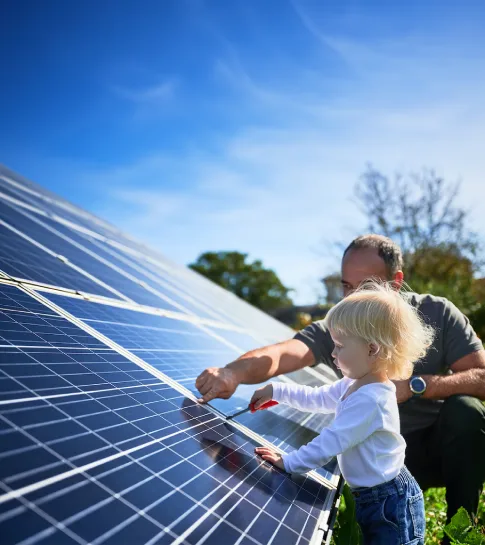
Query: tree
x,y
252,282
418,211
442,255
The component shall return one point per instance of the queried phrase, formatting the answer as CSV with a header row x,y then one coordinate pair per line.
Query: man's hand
x,y
261,396
403,391
271,456
216,382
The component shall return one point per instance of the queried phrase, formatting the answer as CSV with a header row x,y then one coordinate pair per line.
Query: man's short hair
x,y
388,250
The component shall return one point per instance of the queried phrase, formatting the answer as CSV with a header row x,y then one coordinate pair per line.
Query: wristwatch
x,y
417,385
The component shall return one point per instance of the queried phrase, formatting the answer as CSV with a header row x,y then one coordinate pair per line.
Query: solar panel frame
x,y
170,272
33,488
220,323
283,427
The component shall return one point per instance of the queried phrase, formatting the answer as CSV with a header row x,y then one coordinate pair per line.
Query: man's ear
x,y
398,280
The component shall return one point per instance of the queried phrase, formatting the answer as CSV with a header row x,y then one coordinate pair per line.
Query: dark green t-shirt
x,y
454,339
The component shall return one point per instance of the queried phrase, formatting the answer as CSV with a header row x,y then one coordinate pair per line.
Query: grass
x,y
435,506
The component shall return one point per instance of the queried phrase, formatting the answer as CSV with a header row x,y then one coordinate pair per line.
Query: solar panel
x,y
101,437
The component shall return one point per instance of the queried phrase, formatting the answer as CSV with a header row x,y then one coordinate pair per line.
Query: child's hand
x,y
261,396
270,455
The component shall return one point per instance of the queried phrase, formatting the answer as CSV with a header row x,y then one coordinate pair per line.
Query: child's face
x,y
352,356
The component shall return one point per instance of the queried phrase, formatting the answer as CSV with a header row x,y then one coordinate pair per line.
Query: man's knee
x,y
462,414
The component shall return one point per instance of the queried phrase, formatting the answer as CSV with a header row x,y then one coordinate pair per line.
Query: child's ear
x,y
374,349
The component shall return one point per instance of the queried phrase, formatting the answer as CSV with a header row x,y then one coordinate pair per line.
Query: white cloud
x,y
149,100
278,187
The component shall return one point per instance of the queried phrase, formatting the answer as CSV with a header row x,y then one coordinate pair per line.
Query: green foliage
x,y
435,511
346,530
462,531
435,507
441,254
252,282
442,270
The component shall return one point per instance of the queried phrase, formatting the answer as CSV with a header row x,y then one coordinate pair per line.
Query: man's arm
x,y
463,354
254,367
468,378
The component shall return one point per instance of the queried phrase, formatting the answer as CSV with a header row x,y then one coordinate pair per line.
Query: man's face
x,y
361,265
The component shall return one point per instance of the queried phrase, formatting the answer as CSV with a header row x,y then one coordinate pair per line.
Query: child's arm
x,y
359,419
323,399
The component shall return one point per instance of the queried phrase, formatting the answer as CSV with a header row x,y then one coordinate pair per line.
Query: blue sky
x,y
244,124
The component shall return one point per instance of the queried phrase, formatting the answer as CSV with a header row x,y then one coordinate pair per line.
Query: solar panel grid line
x,y
176,272
80,514
189,530
70,394
218,313
123,399
180,539
161,281
21,258
86,327
226,514
118,280
245,533
40,287
28,489
20,187
229,317
328,374
158,374
48,197
64,348
67,417
162,376
23,430
305,420
159,500
197,323
113,266
144,352
45,213
8,198
66,262
144,358
48,531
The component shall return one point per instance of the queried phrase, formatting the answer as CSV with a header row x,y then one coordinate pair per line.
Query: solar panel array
x,y
102,439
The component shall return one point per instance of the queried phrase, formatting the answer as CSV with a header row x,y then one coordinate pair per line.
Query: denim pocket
x,y
416,510
389,510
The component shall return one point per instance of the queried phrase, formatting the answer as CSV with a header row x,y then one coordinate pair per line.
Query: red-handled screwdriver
x,y
251,408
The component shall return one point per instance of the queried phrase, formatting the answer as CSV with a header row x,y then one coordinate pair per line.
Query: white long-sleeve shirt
x,y
364,435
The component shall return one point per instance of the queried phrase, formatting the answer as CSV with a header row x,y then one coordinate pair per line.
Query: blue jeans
x,y
391,513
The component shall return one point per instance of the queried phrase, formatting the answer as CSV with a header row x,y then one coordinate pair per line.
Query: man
x,y
442,417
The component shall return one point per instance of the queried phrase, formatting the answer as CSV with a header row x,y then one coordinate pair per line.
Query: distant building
x,y
333,287
299,315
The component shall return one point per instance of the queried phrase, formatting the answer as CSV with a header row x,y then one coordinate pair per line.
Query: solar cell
x,y
94,449
181,351
101,439
168,298
21,258
178,348
34,195
34,228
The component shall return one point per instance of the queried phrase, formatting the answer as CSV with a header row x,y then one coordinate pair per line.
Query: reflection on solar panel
x,y
101,437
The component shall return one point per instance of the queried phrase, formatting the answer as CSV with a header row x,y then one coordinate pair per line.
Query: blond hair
x,y
377,313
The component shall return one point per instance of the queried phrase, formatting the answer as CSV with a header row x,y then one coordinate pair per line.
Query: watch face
x,y
418,385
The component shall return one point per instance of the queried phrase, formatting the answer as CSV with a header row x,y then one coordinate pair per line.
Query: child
x,y
377,337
